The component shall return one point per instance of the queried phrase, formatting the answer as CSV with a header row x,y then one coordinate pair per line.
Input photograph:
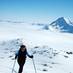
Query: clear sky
x,y
36,10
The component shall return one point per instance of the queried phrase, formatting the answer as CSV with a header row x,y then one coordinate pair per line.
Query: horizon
x,y
35,11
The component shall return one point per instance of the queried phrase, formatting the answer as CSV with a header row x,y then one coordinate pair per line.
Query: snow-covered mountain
x,y
61,24
46,59
53,52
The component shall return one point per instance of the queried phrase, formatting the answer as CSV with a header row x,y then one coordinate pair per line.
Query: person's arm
x,y
16,54
30,56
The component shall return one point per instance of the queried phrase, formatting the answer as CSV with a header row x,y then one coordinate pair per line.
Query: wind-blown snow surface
x,y
53,52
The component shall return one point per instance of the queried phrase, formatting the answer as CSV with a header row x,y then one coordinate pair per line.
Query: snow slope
x,y
53,52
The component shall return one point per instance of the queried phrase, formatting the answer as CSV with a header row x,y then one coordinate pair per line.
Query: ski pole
x,y
34,66
13,66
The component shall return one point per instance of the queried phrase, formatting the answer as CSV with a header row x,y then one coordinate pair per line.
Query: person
x,y
21,57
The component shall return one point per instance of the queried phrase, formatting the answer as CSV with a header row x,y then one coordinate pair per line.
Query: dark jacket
x,y
21,56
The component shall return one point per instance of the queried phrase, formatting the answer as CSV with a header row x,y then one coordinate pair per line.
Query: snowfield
x,y
53,51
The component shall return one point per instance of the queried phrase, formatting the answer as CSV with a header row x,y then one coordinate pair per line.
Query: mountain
x,y
61,24
53,52
11,21
46,59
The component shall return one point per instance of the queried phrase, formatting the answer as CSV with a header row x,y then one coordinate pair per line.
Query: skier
x,y
21,57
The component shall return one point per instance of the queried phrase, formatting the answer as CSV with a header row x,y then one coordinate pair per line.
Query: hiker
x,y
21,57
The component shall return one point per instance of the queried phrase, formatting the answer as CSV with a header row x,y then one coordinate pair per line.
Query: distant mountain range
x,y
62,25
9,21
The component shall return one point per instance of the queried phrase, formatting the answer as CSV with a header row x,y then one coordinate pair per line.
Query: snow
x,y
61,25
49,48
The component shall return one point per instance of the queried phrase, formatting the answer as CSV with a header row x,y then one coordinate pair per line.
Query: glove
x,y
31,56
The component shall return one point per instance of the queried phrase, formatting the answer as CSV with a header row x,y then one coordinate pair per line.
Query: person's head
x,y
22,48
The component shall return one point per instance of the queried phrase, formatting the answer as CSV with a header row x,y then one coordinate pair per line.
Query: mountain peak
x,y
60,20
61,24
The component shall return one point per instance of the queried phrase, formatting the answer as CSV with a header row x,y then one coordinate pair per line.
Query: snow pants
x,y
21,64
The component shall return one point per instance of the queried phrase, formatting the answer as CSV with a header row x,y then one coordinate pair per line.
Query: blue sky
x,y
41,11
